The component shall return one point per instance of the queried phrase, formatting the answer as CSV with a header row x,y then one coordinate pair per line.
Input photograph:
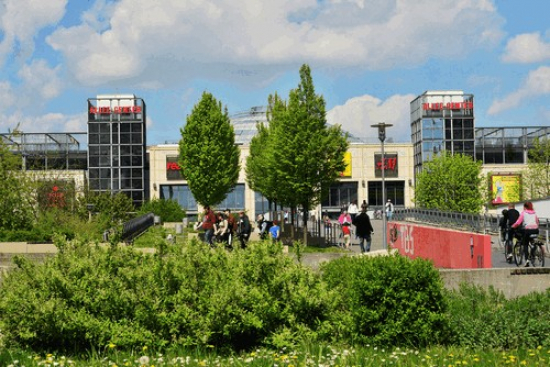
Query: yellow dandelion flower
x,y
111,345
144,348
523,363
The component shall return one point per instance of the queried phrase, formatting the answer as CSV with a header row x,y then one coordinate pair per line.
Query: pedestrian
x,y
231,227
389,209
352,209
275,231
346,233
345,221
364,205
207,224
222,228
364,230
243,228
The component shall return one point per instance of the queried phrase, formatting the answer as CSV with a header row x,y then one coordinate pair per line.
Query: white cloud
x,y
527,48
39,79
51,122
536,84
20,20
140,42
359,113
7,99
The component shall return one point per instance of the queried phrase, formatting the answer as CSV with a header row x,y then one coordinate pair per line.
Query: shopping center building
x,y
112,156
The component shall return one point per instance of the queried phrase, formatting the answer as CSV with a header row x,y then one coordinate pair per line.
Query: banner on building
x,y
505,188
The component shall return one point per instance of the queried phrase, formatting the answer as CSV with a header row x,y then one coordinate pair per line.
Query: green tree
x,y
307,154
16,205
207,152
169,210
537,175
260,175
450,182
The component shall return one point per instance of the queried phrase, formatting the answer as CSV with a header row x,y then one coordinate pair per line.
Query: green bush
x,y
484,318
386,300
88,296
167,210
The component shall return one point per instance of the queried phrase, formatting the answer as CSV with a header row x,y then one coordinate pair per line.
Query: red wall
x,y
447,248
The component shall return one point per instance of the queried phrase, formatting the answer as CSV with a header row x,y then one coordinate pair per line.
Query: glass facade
x,y
395,191
340,196
507,145
183,195
117,146
442,120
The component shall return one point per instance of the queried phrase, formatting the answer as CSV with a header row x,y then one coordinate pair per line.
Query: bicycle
x,y
535,252
507,244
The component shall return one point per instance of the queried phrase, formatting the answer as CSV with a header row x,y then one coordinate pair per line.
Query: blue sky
x,y
369,58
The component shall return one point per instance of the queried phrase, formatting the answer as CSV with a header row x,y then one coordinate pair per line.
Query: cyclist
x,y
527,224
512,216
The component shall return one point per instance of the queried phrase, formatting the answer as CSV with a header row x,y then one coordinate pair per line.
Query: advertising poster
x,y
505,188
347,161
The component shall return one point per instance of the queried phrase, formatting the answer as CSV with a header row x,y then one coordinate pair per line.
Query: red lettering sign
x,y
115,110
172,166
448,106
389,164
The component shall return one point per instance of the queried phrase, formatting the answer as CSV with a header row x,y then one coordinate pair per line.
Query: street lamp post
x,y
382,136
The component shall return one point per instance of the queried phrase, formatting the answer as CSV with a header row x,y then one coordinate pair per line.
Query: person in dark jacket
x,y
512,216
243,228
363,230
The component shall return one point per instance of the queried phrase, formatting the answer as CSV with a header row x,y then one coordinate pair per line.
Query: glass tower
x,y
117,145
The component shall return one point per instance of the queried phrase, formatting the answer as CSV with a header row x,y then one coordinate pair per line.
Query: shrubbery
x,y
387,300
88,296
167,210
485,318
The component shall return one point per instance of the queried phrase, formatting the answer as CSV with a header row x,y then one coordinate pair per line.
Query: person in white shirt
x,y
389,209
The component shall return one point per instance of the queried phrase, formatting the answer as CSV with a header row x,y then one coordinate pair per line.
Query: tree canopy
x,y
16,205
208,156
300,155
537,175
450,182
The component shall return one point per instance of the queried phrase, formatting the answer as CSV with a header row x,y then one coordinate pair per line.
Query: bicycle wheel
x,y
518,253
537,256
508,245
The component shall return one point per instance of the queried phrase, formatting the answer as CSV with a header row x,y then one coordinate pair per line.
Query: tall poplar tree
x,y
450,182
260,175
307,153
208,156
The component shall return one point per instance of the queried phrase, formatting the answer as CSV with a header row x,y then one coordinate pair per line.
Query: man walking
x,y
363,229
243,229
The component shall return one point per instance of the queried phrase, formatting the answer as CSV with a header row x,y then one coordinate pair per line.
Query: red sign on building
x,y
389,163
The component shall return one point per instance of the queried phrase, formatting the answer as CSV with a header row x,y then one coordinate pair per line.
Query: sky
x,y
369,58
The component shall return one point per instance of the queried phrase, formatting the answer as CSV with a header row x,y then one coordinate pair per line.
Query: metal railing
x,y
479,223
134,227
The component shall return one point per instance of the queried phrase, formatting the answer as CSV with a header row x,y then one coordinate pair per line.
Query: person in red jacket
x,y
207,224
